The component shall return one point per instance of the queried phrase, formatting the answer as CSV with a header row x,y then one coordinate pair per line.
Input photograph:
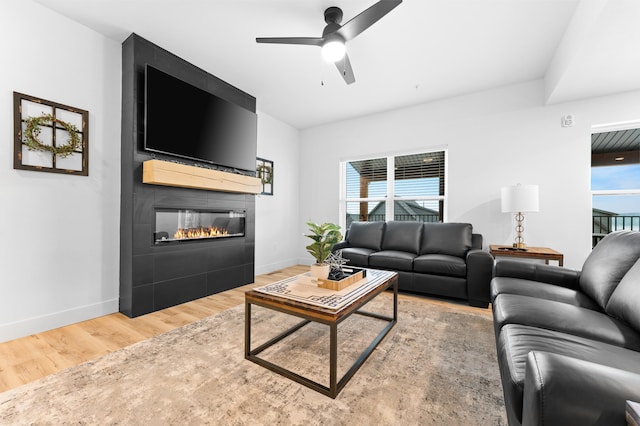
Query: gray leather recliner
x,y
568,342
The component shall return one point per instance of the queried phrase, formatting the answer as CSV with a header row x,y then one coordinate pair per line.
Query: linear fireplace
x,y
179,225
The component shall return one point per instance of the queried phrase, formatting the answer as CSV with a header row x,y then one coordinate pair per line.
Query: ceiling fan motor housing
x,y
333,15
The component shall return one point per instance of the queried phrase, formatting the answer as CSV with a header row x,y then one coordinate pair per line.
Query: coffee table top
x,y
299,293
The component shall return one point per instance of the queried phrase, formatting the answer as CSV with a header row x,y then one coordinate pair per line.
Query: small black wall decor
x,y
264,171
50,137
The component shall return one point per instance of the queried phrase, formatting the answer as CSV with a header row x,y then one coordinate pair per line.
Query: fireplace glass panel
x,y
174,225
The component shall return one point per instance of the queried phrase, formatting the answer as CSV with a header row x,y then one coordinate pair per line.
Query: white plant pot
x,y
320,271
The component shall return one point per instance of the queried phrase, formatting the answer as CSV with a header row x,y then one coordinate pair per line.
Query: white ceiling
x,y
421,51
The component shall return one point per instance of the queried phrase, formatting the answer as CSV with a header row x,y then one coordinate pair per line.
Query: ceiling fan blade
x,y
367,18
344,67
312,41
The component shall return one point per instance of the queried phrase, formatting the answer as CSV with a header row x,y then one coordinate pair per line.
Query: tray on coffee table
x,y
351,276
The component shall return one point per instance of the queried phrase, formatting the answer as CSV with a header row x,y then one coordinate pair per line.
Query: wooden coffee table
x,y
356,297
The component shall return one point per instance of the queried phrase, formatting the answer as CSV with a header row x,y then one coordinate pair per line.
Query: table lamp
x,y
519,199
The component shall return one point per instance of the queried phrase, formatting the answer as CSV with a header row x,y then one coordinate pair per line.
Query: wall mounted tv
x,y
185,121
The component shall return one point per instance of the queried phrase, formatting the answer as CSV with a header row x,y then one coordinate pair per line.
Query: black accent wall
x,y
154,277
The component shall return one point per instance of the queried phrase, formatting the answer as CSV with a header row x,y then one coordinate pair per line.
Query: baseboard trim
x,y
272,267
29,326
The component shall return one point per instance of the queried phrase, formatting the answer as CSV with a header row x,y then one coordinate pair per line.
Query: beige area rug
x,y
437,366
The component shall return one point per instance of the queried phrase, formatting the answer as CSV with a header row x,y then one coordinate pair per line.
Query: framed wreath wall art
x,y
50,137
264,172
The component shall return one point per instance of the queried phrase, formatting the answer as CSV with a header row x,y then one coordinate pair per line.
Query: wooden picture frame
x,y
56,134
264,172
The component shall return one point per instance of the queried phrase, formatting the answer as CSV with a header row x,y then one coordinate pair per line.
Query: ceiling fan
x,y
334,35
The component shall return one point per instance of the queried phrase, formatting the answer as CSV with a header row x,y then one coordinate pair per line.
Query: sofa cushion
x,y
366,235
453,239
440,264
516,341
440,285
402,236
624,303
392,259
507,285
562,317
608,263
356,256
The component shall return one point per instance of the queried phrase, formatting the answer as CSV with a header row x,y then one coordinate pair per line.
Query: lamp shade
x,y
519,198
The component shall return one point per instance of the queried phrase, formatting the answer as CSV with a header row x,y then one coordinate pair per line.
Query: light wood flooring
x,y
30,358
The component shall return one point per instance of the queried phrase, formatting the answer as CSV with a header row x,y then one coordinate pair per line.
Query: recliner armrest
x,y
479,274
549,274
560,390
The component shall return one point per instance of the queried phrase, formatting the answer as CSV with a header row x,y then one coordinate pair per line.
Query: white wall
x,y
494,138
60,234
59,259
277,216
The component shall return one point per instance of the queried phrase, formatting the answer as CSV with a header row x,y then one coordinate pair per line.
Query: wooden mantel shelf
x,y
165,173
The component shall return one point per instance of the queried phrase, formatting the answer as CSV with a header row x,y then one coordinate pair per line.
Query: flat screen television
x,y
185,121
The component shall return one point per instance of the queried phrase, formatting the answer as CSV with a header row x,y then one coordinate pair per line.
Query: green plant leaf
x,y
324,237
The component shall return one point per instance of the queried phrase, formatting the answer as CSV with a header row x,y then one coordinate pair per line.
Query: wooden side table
x,y
543,253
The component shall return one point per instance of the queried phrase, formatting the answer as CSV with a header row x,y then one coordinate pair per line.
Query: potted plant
x,y
324,236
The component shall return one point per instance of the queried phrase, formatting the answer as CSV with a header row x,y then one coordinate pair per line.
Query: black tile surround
x,y
154,277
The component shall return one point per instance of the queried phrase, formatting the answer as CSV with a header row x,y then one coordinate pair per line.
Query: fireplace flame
x,y
190,233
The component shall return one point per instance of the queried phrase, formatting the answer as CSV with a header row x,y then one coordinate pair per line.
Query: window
x,y
615,182
404,188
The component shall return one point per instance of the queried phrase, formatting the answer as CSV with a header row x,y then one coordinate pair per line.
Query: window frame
x,y
628,125
390,201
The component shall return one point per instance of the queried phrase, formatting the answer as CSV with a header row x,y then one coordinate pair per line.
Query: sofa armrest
x,y
549,274
479,274
560,390
476,241
340,246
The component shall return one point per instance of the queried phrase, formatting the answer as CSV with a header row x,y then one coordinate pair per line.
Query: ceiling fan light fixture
x,y
333,49
334,35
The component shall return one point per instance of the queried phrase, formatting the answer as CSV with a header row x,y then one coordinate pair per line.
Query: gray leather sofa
x,y
568,341
444,259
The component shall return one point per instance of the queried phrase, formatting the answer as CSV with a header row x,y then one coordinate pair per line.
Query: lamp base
x,y
519,242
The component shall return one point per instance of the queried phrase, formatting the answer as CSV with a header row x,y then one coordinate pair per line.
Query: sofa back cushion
x,y
366,235
608,262
402,236
624,303
453,239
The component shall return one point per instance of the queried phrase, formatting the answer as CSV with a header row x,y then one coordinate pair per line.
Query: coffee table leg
x,y
333,360
247,329
395,301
